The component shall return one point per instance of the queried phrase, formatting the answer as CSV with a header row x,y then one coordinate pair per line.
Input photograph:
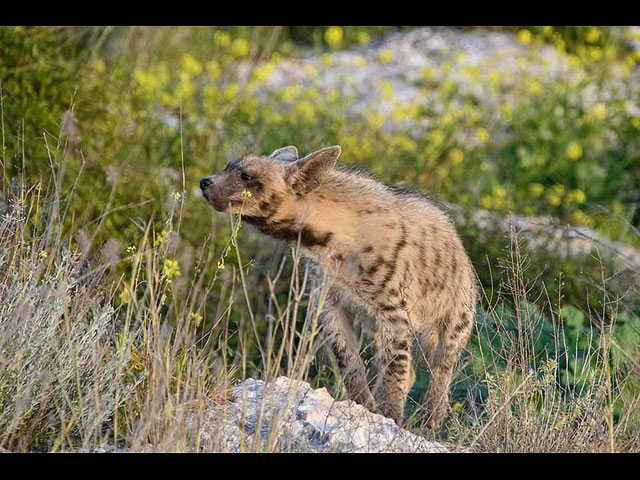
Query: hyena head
x,y
273,181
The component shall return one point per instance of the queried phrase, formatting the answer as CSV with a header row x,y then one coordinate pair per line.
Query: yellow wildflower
x,y
213,70
554,200
494,75
581,218
558,189
592,35
222,38
499,192
191,65
447,119
574,151
231,91
595,53
385,56
576,196
291,92
240,48
436,136
333,36
363,37
482,135
534,87
161,238
428,73
456,156
599,111
525,37
263,72
310,70
386,87
536,189
196,317
171,268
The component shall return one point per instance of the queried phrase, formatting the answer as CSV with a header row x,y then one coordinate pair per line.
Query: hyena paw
x,y
436,416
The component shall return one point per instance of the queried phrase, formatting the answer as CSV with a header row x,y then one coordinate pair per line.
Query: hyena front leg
x,y
398,370
342,340
452,338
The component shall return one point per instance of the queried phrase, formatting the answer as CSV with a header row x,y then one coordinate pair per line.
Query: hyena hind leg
x,y
451,340
397,368
342,340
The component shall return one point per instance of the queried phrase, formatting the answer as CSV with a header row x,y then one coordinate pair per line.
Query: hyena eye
x,y
245,176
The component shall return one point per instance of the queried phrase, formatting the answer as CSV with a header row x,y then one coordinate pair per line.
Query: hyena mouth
x,y
221,205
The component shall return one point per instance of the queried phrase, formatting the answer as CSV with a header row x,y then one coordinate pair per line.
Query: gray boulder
x,y
289,416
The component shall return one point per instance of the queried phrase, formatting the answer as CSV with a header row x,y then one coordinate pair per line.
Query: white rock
x,y
288,415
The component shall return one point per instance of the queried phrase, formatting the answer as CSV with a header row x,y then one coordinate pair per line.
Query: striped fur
x,y
393,258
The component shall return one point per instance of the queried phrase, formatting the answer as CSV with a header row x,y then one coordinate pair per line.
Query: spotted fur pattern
x,y
392,256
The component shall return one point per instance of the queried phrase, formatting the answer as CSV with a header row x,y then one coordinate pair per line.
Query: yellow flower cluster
x,y
574,151
222,38
263,72
525,37
191,65
482,135
581,218
171,268
333,36
456,156
536,189
555,194
196,317
161,238
385,56
576,196
598,111
240,48
363,37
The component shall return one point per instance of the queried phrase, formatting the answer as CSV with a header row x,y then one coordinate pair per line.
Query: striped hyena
x,y
393,257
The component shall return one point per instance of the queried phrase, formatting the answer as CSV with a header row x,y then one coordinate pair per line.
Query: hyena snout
x,y
205,183
212,192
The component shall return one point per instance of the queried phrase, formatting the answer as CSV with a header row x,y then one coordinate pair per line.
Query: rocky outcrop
x,y
289,416
410,61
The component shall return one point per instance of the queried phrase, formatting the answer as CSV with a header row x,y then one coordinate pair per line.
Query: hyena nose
x,y
205,182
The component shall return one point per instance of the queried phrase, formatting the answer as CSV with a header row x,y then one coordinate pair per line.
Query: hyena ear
x,y
288,154
308,173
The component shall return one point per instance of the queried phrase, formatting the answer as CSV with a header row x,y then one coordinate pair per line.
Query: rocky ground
x,y
290,416
402,58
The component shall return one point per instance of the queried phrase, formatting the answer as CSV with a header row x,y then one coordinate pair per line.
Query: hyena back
x,y
393,258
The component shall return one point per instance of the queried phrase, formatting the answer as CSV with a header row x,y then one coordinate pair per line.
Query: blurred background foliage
x,y
135,108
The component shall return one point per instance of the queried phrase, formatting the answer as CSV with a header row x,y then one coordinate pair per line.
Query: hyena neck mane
x,y
336,215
